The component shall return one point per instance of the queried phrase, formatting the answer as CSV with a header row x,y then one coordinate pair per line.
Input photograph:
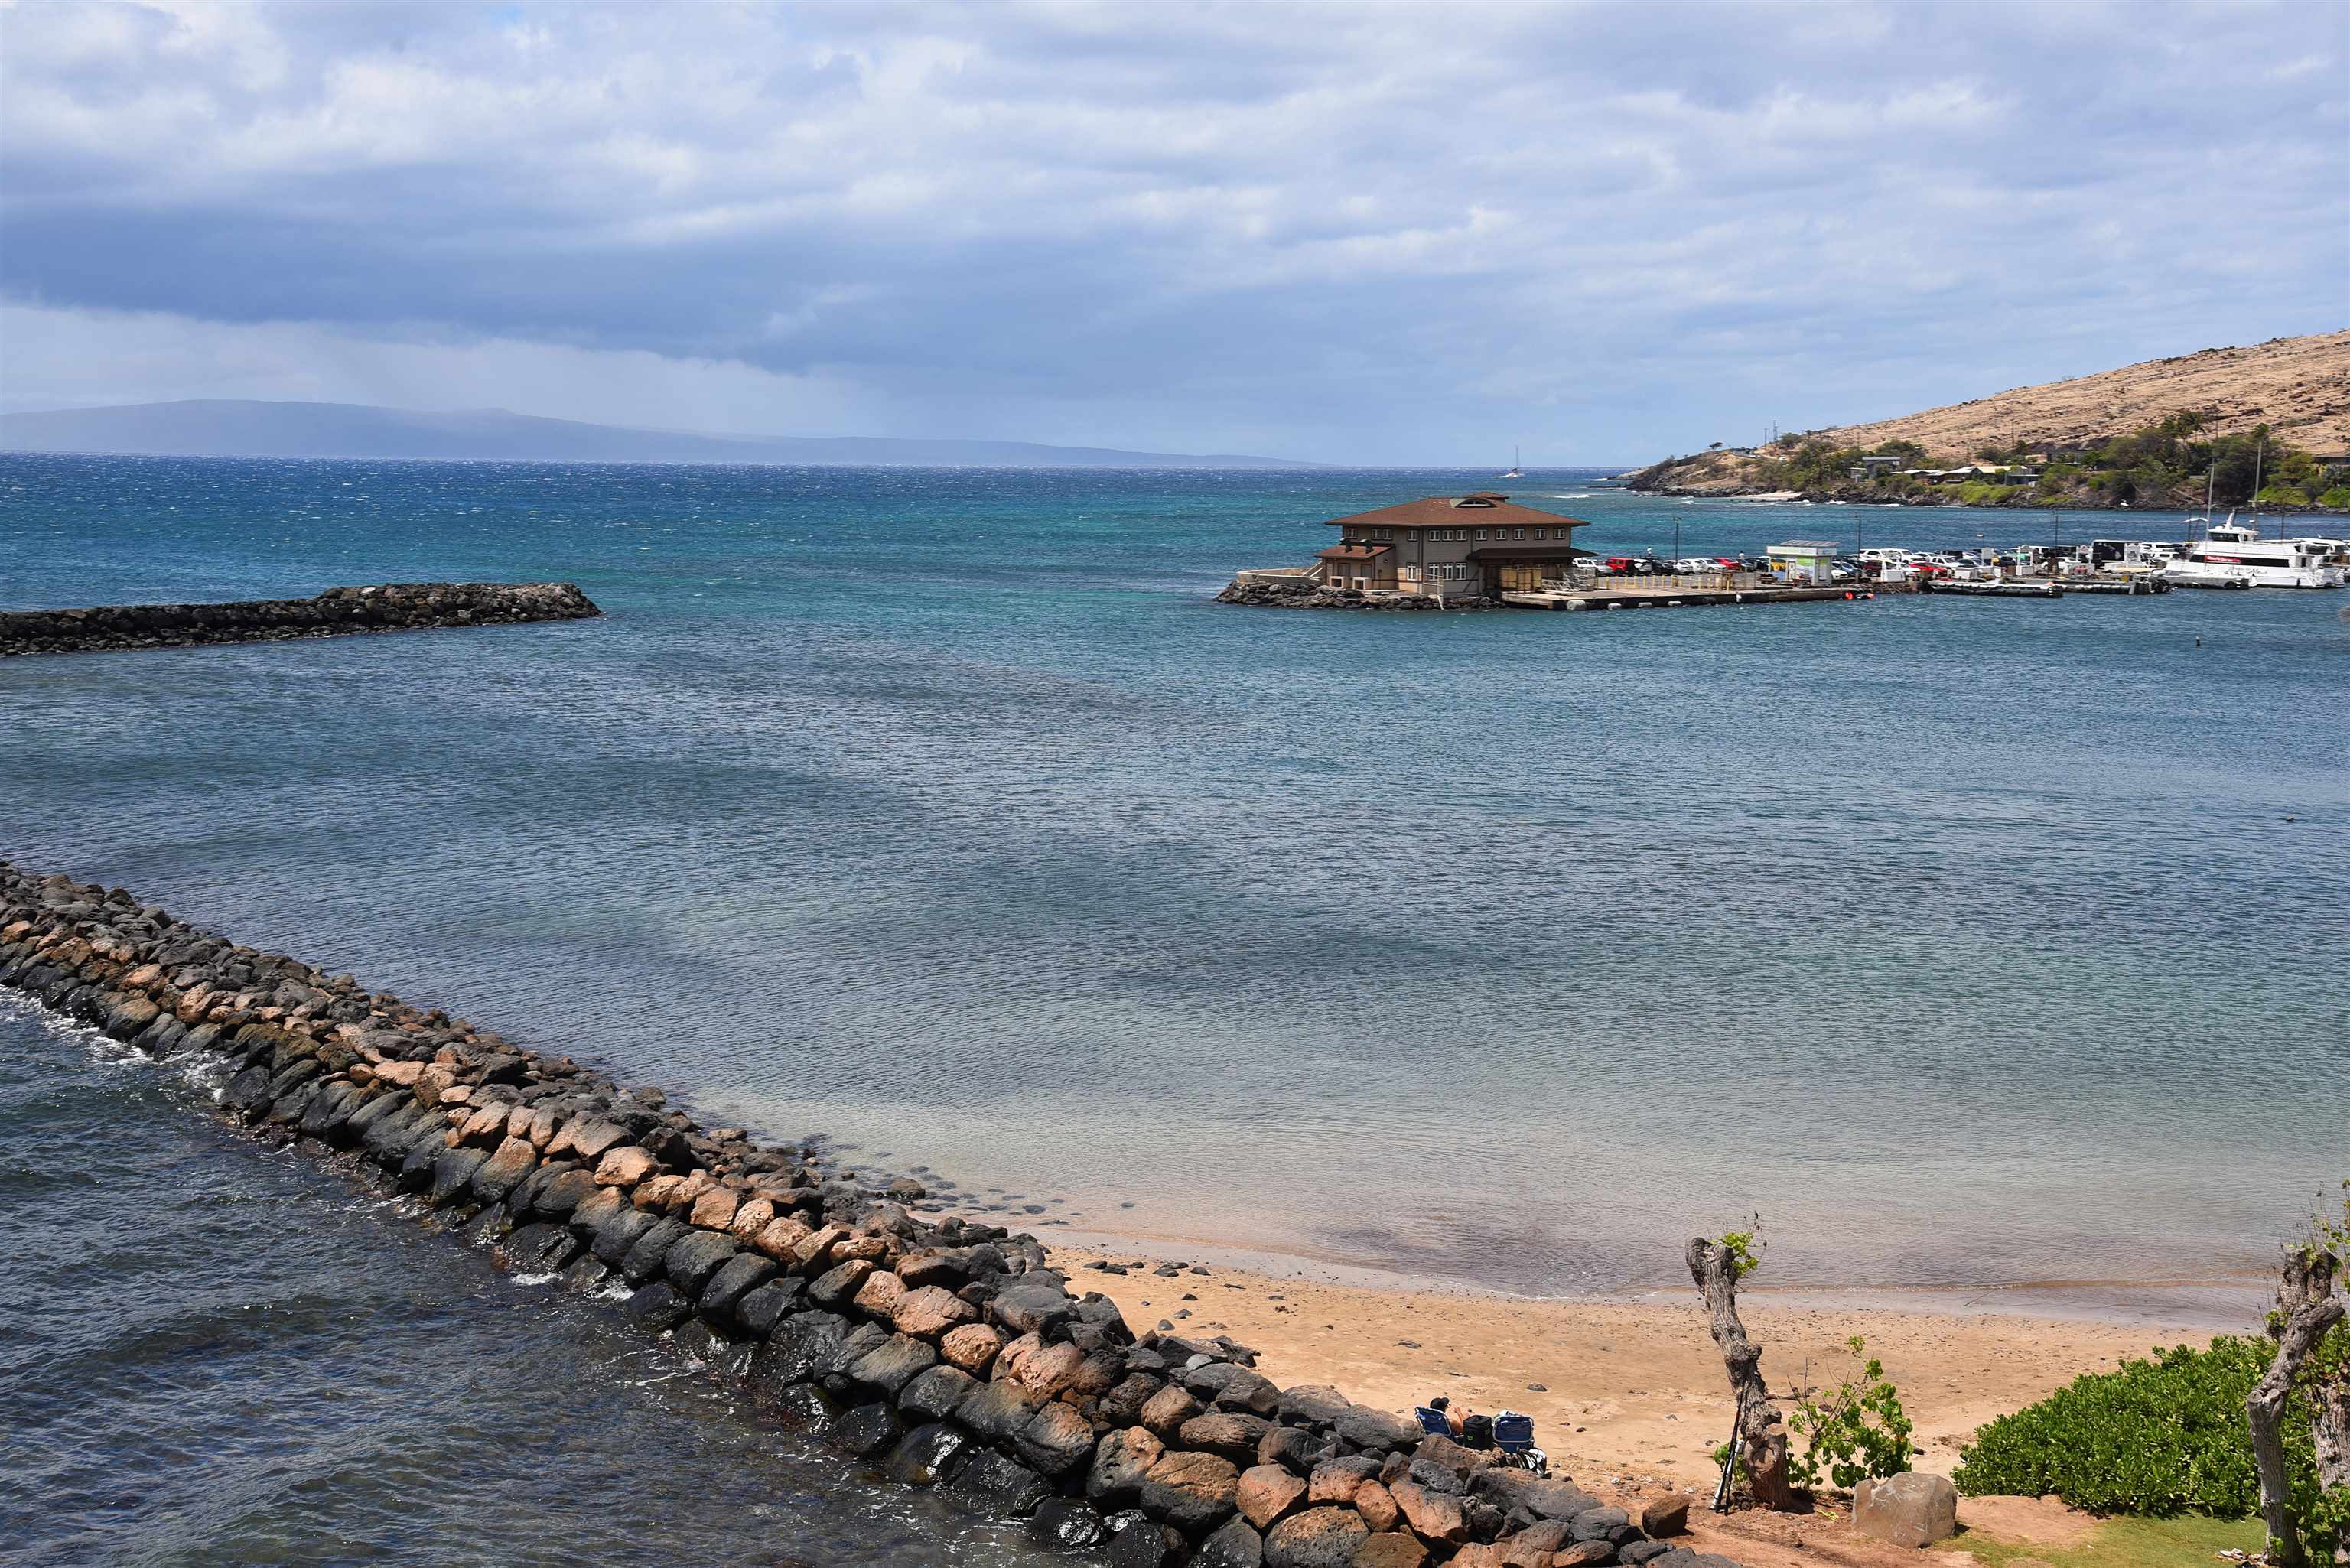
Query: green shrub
x,y
1859,1432
2162,1436
2337,496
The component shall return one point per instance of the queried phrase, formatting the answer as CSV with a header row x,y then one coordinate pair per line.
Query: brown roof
x,y
1353,552
1528,551
1440,512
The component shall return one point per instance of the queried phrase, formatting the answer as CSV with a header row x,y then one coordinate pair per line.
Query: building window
x,y
1522,534
1538,533
1480,532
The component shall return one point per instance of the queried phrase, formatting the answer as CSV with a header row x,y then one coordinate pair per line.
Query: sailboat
x,y
1514,473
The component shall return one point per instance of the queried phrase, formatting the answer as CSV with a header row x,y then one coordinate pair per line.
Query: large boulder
x,y
890,1365
1236,1545
935,1395
1193,1492
1229,1433
799,1346
1318,1538
929,1455
1000,1488
1432,1515
737,1278
1054,1442
695,1259
1912,1508
1121,1461
1267,1492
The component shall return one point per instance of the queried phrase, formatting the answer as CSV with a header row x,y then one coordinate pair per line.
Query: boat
x,y
1514,473
2231,552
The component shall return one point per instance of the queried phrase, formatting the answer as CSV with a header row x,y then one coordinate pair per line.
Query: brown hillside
x,y
2300,387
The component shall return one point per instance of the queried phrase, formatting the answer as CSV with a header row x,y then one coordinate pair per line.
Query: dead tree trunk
x,y
1761,1436
2305,1310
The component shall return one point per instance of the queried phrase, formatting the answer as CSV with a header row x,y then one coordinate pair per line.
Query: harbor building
x,y
1449,548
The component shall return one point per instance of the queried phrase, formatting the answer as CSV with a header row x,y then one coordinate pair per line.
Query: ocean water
x,y
1975,943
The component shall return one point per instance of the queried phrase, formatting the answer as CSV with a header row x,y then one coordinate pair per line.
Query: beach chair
x,y
1433,1421
1514,1434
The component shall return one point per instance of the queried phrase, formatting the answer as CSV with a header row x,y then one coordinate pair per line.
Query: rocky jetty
x,y
1313,596
338,612
943,1351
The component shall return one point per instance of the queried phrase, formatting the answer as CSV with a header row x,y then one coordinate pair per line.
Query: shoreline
x,y
1624,1391
2209,1303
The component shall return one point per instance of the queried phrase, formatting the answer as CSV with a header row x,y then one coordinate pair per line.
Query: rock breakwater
x,y
338,612
943,1351
1313,596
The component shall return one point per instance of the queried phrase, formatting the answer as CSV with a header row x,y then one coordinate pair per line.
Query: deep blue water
x,y
943,812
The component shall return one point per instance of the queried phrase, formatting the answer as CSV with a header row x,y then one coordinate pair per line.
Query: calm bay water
x,y
943,813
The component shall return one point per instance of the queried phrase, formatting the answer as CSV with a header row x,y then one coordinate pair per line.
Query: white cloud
x,y
1364,229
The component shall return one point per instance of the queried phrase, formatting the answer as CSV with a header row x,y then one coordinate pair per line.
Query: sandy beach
x,y
1629,1397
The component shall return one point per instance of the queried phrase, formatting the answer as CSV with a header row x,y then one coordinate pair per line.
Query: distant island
x,y
2270,423
237,427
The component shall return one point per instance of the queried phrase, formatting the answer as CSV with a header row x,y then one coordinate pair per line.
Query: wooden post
x,y
2306,1308
1761,1436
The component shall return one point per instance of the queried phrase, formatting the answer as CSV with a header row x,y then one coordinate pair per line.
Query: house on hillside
x,y
1449,548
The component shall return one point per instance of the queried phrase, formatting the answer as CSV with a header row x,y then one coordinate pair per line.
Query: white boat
x,y
1514,473
2230,551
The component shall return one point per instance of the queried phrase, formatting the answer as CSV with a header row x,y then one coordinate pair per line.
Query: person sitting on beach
x,y
1442,1405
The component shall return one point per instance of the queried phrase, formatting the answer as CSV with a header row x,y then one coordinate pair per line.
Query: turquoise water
x,y
941,812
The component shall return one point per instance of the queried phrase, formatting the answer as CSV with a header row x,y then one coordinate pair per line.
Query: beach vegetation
x,y
2230,1430
2338,496
2181,1540
1744,1249
1857,1433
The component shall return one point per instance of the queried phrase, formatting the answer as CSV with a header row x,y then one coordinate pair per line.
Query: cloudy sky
x,y
1376,233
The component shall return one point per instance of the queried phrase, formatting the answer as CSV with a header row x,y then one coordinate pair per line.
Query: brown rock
x,y
1533,1546
1045,1372
715,1207
880,1295
402,1074
752,1215
1432,1515
838,1286
1481,1556
931,1312
1193,1492
486,1127
435,1081
1230,1434
624,1167
653,1195
1581,1553
1377,1508
1389,1549
973,1347
1663,1516
1167,1410
1318,1538
1337,1480
1121,1461
813,1249
1913,1508
1267,1492
781,1238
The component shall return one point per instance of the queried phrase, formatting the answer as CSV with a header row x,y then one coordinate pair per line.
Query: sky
x,y
1355,233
